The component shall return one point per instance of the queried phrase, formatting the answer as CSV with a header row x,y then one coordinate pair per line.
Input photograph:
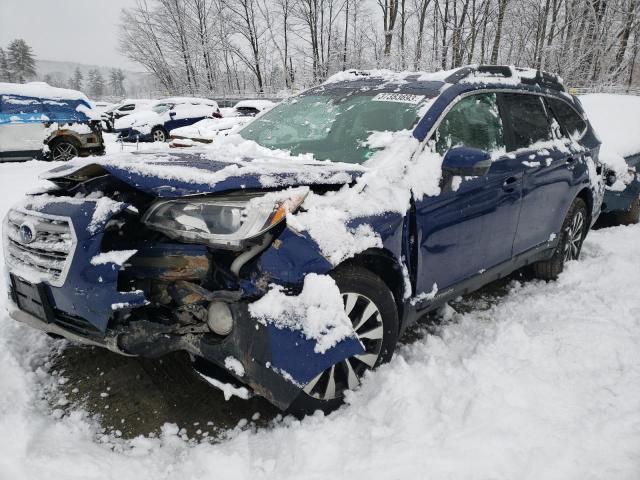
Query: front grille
x,y
48,253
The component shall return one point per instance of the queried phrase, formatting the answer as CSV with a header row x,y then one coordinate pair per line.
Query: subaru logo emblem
x,y
27,233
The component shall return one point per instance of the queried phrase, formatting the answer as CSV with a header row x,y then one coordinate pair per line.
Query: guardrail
x,y
617,89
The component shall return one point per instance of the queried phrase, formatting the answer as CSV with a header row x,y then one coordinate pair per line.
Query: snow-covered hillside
x,y
542,384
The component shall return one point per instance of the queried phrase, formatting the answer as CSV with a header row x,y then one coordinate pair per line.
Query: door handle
x,y
509,183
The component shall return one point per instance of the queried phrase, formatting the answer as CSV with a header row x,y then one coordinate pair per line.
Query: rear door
x,y
534,140
470,226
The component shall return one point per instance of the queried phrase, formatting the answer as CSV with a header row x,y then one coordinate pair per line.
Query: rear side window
x,y
567,117
472,122
527,118
126,108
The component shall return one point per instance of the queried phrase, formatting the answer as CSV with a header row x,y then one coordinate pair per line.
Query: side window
x,y
527,117
126,108
569,119
472,122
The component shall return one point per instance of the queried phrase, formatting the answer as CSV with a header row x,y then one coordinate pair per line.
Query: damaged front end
x,y
103,262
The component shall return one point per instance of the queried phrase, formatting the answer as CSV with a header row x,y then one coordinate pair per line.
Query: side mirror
x,y
172,113
610,178
466,162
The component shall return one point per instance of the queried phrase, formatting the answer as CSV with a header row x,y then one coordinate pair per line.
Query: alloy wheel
x,y
63,152
367,324
574,238
159,136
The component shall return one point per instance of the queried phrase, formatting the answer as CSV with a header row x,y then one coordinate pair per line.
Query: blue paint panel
x,y
294,354
89,291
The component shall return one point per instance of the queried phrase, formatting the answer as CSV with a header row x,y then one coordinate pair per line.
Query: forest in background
x,y
238,46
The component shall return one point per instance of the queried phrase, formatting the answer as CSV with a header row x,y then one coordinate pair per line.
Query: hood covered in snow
x,y
179,174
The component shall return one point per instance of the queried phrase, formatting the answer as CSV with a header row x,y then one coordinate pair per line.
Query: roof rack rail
x,y
541,78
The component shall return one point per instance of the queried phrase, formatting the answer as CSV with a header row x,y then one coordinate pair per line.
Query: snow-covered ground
x,y
543,384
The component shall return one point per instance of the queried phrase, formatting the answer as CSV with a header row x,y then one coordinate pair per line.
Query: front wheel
x,y
574,229
63,150
370,306
159,134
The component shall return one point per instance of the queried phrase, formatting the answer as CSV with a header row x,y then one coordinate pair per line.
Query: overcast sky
x,y
84,31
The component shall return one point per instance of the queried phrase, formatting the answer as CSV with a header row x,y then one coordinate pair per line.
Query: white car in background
x,y
154,125
205,131
122,109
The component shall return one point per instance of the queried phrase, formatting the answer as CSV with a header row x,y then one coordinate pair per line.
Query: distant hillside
x,y
137,84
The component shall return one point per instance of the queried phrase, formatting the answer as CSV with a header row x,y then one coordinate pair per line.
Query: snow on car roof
x,y
192,100
41,90
257,104
616,120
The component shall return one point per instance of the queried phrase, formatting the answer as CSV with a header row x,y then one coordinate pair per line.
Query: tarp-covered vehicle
x,y
40,121
295,254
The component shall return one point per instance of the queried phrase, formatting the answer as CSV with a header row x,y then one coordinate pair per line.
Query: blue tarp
x,y
23,109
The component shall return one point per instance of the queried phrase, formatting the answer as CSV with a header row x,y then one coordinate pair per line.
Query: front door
x,y
471,225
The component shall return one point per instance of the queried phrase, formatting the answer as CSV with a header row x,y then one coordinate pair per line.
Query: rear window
x,y
528,119
567,117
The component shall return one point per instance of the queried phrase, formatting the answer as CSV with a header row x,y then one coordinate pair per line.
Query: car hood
x,y
137,119
180,174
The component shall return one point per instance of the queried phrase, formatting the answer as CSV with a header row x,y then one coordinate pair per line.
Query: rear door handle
x,y
509,183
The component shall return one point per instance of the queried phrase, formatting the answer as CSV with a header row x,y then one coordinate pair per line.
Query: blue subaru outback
x,y
294,254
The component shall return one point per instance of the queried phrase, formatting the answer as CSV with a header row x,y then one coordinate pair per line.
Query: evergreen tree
x,y
5,74
76,81
95,83
21,62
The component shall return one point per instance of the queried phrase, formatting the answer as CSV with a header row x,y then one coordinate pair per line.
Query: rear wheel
x,y
631,216
63,150
158,134
370,306
574,229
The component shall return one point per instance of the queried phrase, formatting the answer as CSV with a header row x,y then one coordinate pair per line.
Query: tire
x,y
631,216
159,134
62,150
362,292
574,230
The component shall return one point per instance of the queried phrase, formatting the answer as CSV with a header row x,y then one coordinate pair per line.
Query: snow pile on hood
x,y
616,120
318,312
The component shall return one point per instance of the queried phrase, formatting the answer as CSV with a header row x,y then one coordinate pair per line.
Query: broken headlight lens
x,y
222,221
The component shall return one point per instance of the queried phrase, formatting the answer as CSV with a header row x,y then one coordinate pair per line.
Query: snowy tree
x,y
76,80
5,74
116,82
95,83
21,61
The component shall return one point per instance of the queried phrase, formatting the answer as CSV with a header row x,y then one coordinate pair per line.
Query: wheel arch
x,y
587,197
385,265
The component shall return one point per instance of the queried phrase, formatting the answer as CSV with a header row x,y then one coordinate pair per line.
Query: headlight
x,y
223,221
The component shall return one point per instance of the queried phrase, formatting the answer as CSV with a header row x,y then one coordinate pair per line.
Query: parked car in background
x,y
205,131
295,254
620,135
154,125
122,109
41,121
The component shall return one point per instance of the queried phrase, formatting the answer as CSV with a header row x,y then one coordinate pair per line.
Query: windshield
x,y
161,108
334,126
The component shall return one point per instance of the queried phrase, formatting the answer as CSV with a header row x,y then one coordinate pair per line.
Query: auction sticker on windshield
x,y
398,97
